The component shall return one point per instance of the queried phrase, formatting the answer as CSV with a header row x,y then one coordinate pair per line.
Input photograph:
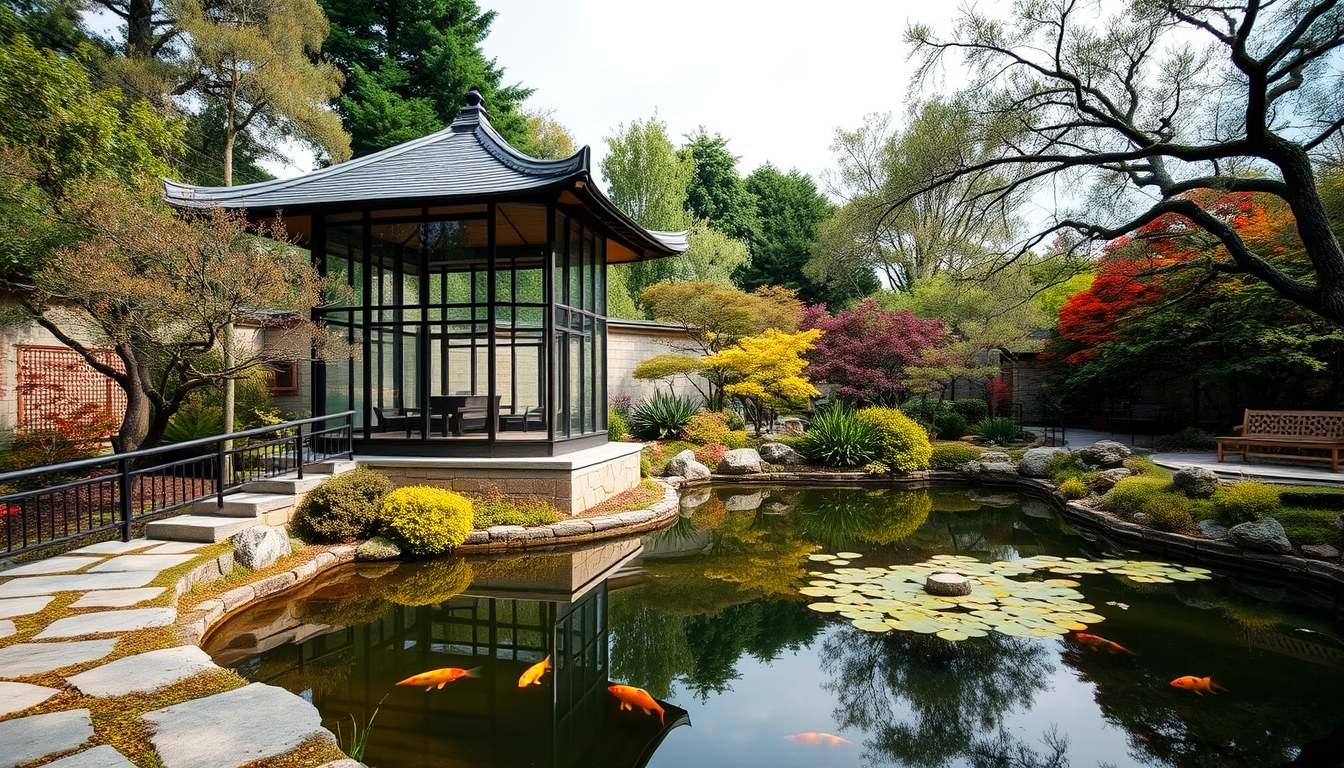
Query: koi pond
x,y
790,627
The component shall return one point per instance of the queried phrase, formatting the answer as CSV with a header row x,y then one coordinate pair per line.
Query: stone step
x,y
209,529
286,484
336,467
244,504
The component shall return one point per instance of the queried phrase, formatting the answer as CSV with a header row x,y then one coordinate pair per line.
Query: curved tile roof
x,y
468,159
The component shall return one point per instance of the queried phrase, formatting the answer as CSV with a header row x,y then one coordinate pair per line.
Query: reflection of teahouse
x,y
479,282
512,614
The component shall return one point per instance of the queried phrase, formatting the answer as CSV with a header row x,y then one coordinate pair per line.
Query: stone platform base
x,y
573,482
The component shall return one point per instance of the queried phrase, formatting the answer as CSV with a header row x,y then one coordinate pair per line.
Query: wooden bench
x,y
1270,430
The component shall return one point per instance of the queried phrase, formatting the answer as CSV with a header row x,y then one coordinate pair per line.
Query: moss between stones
x,y
642,496
315,751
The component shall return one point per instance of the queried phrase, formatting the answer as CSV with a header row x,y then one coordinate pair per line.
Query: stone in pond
x,y
1265,535
1196,481
1104,453
995,457
1212,529
741,461
1035,461
779,453
1320,552
377,548
947,584
991,471
685,465
259,547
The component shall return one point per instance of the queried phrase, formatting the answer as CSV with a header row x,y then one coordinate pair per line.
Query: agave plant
x,y
662,417
838,438
998,430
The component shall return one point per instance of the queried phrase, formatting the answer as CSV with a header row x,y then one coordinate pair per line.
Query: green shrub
x,y
952,455
735,422
902,444
950,426
707,427
645,468
973,410
737,439
1130,494
1073,488
342,509
425,521
1142,465
495,509
1188,439
1313,498
1245,501
1310,526
1063,466
617,428
839,438
997,431
1169,512
662,417
710,455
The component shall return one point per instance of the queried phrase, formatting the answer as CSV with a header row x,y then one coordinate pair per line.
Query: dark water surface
x,y
707,617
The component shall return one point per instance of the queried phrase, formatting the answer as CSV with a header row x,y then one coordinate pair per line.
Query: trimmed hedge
x,y
1130,494
342,509
1169,512
952,455
902,444
426,521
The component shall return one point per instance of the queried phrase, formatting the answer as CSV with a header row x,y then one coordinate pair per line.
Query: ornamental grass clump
x,y
1129,495
997,431
902,444
1245,501
839,438
1169,512
662,417
342,509
425,521
952,455
1073,489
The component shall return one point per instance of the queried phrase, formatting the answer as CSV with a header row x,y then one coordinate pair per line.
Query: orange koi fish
x,y
819,738
1100,643
631,697
1199,685
533,674
440,677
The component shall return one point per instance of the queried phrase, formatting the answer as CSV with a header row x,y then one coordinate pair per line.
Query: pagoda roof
x,y
466,162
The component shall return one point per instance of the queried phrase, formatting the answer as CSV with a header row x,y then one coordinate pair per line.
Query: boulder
x,y
1104,454
779,453
1339,522
995,457
1196,481
260,546
377,548
991,471
1213,529
1035,461
1265,535
1141,518
793,427
741,461
1320,552
685,465
1108,478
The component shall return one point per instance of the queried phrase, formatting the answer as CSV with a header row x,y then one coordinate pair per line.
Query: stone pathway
x,y
111,579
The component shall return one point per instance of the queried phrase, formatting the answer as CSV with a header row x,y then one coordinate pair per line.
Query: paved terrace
x,y
107,594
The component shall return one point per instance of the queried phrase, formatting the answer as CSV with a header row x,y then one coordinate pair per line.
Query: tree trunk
x,y
135,421
228,156
140,29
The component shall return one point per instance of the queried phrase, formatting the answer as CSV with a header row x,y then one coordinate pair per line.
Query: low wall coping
x,y
568,462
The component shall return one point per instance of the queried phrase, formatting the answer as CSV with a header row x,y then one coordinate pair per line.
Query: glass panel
x,y
338,395
574,266
575,384
600,379
600,255
395,263
397,213
449,210
344,252
333,218
561,235
589,392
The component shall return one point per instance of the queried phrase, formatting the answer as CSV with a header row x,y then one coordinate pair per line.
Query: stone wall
x,y
631,342
573,483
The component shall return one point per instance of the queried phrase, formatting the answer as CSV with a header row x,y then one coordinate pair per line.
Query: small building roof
x,y
466,161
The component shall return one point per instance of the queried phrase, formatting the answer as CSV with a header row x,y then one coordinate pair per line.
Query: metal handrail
x,y
130,488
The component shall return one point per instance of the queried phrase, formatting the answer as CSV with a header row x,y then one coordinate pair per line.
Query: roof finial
x,y
475,99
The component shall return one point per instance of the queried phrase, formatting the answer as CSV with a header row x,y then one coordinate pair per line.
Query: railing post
x,y
124,475
219,472
298,449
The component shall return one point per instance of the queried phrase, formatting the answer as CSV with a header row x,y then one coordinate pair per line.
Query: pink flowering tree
x,y
868,352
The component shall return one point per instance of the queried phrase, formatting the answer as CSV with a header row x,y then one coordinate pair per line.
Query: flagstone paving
x,y
22,659
117,598
224,730
22,606
28,738
143,672
16,697
98,757
106,622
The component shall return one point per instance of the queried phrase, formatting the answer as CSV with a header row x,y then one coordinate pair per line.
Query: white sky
x,y
774,78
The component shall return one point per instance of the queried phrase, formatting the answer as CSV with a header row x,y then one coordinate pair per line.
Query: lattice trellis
x,y
57,381
1324,424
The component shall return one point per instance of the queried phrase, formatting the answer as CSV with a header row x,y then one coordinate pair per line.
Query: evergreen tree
x,y
717,193
408,65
